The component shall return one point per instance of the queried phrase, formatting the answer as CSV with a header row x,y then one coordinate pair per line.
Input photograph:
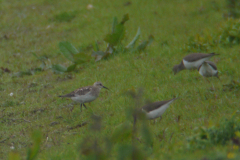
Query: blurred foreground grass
x,y
38,26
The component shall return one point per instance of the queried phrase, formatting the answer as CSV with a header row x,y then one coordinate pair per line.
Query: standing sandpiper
x,y
85,94
208,69
192,61
156,109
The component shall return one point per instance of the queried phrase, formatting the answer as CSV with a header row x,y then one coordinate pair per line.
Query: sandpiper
x,y
156,109
85,94
192,61
208,69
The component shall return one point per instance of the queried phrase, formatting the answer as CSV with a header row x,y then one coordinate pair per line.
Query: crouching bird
x,y
208,69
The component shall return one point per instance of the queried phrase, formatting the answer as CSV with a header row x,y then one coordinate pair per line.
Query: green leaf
x,y
115,21
33,151
81,58
96,46
133,42
146,135
71,68
68,50
125,18
58,68
144,44
118,32
115,37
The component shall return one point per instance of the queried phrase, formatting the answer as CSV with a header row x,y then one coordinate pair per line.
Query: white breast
x,y
195,64
84,98
158,112
207,70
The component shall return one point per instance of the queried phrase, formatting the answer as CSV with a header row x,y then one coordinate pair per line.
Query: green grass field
x,y
38,26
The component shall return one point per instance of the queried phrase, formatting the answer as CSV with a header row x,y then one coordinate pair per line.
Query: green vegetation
x,y
40,39
226,131
233,7
227,35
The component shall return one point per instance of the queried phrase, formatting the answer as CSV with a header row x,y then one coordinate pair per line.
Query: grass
x,y
37,27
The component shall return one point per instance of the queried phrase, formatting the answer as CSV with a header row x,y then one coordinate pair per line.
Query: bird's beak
x,y
105,87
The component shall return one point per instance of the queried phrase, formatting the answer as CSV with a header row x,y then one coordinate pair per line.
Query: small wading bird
x,y
192,61
156,109
85,94
208,69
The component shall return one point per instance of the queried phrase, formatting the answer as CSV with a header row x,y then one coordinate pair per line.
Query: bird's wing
x,y
152,106
213,65
83,90
196,56
79,92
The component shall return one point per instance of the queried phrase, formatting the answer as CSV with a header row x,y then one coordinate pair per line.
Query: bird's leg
x,y
81,107
160,118
84,105
72,107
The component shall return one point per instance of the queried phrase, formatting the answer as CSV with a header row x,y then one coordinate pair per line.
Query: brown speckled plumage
x,y
81,91
85,94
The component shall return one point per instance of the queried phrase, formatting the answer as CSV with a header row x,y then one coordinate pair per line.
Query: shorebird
x,y
85,94
156,109
208,69
192,61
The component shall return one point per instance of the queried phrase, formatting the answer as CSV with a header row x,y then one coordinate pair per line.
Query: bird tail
x,y
214,54
66,95
172,100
